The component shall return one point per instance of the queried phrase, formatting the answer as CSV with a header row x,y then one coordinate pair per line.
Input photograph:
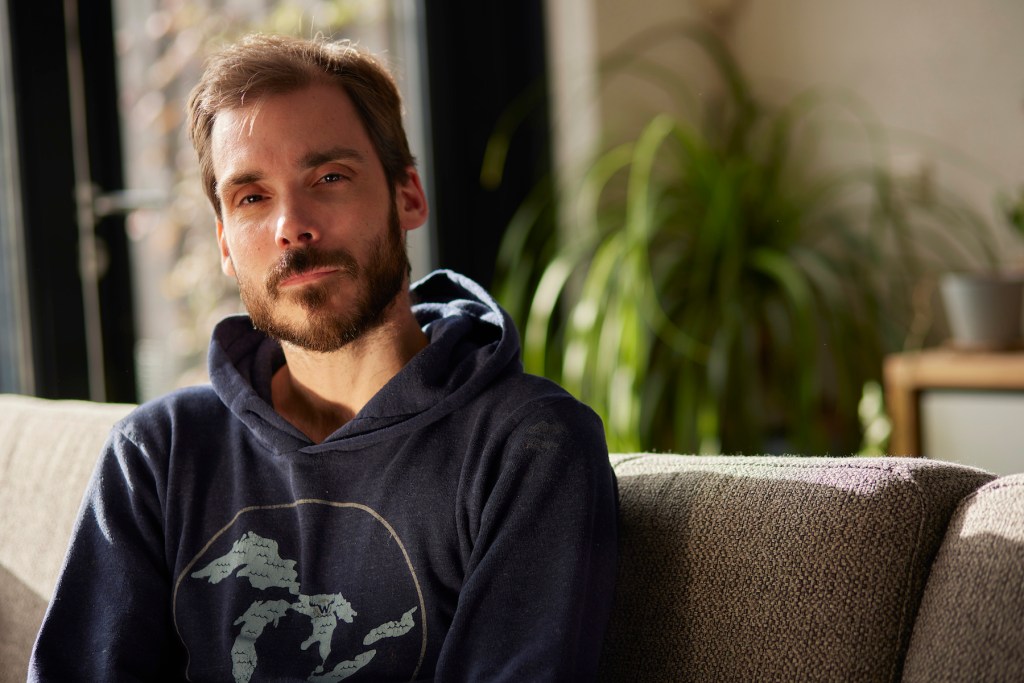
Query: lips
x,y
307,276
304,266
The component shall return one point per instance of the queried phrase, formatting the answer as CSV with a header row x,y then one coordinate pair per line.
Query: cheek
x,y
241,248
243,260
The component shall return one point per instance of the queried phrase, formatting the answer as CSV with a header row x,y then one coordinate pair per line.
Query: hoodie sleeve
x,y
109,619
540,580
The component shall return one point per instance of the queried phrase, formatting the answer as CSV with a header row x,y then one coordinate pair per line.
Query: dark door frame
x,y
483,59
58,125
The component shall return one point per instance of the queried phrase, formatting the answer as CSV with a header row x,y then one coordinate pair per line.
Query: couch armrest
x,y
971,623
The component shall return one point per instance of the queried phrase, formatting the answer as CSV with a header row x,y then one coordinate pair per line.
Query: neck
x,y
319,392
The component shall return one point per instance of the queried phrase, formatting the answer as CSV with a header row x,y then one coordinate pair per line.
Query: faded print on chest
x,y
313,590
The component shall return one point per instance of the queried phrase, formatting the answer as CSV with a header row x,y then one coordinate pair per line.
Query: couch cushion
x,y
21,612
48,450
971,623
774,569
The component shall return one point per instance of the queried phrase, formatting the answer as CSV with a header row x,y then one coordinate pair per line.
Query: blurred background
x,y
108,285
806,171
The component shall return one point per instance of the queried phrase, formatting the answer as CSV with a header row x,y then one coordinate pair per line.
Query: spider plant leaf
x,y
798,294
539,321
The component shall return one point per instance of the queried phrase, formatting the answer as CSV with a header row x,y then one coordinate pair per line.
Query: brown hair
x,y
261,65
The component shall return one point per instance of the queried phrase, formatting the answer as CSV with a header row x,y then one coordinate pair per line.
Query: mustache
x,y
299,260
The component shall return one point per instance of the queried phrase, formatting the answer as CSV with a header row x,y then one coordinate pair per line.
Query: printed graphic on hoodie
x,y
278,619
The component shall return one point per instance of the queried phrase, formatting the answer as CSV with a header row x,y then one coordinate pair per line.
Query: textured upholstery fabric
x,y
732,569
47,453
20,615
774,569
971,623
40,495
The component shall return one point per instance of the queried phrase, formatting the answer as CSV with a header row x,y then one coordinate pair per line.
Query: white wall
x,y
948,70
949,74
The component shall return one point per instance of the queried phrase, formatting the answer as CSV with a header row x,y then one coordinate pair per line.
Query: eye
x,y
250,199
332,178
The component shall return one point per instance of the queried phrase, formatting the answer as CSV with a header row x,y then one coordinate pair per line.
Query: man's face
x,y
309,225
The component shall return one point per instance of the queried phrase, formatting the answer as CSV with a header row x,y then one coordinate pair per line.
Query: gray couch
x,y
732,569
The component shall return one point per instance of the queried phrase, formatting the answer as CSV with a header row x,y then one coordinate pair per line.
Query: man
x,y
370,486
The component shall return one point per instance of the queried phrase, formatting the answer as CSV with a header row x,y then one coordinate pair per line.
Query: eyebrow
x,y
314,159
237,180
310,160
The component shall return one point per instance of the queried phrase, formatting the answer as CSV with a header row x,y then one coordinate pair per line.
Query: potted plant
x,y
715,289
984,305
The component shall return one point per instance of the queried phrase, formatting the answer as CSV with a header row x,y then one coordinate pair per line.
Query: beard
x,y
325,329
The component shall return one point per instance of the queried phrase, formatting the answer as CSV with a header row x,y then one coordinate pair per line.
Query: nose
x,y
296,225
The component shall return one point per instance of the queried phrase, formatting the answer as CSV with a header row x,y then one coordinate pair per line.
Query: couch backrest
x,y
48,450
774,569
971,623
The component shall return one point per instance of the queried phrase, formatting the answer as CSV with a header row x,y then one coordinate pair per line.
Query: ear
x,y
411,201
225,255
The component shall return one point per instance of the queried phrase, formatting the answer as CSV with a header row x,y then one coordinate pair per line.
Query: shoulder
x,y
158,437
189,409
533,401
543,420
548,452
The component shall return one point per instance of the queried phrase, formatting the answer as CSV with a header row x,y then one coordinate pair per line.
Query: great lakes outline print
x,y
258,560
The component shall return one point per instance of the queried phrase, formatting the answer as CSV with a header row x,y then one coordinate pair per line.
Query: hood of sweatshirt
x,y
472,342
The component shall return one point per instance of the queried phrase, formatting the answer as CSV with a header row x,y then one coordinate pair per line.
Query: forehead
x,y
281,129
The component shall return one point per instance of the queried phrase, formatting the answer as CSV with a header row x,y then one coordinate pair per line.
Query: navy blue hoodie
x,y
462,527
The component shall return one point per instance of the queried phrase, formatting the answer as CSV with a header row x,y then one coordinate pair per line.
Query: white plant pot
x,y
983,310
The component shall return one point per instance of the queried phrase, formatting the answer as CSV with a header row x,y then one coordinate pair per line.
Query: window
x,y
15,349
